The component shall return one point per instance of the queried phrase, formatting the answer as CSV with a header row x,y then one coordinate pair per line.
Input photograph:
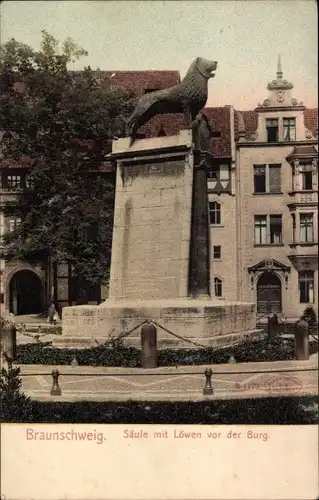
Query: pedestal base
x,y
205,322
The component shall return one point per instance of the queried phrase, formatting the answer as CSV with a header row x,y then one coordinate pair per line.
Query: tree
x,y
15,406
61,122
309,315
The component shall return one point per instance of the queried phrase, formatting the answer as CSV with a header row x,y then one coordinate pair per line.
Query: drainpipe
x,y
235,192
238,226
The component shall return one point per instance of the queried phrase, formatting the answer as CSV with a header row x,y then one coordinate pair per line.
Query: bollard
x,y
208,389
9,340
74,361
149,345
272,325
232,359
302,340
55,391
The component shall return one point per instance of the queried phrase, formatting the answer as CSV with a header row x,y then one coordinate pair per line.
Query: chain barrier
x,y
122,335
180,336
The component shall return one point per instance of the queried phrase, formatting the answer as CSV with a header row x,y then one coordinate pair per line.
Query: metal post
x,y
55,391
208,389
149,346
302,340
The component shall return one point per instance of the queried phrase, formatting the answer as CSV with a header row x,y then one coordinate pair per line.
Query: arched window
x,y
218,287
214,212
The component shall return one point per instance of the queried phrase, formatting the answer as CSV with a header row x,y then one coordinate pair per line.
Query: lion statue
x,y
189,97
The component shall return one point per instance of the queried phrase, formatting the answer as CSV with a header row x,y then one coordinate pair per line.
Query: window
x,y
13,181
289,129
260,229
224,174
213,173
267,178
268,229
29,182
13,223
306,287
306,177
260,179
306,228
293,217
217,252
214,212
275,223
218,287
272,129
218,172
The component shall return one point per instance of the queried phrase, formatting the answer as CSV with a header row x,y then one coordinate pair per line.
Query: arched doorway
x,y
25,293
269,293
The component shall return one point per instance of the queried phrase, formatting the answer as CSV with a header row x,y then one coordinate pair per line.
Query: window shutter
x,y
274,178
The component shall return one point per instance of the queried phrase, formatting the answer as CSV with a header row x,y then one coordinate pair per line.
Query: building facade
x,y
262,190
276,200
21,285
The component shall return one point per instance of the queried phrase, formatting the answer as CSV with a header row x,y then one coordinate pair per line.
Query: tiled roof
x,y
138,81
219,120
303,152
250,120
24,162
311,120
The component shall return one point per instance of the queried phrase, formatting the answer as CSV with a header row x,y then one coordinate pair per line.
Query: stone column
x,y
296,179
199,269
199,275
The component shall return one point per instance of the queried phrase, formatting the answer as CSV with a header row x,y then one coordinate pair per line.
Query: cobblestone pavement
x,y
183,383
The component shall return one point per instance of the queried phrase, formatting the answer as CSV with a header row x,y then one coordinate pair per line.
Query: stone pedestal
x,y
155,274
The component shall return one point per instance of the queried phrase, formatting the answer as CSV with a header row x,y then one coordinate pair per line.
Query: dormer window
x,y
272,129
219,178
289,129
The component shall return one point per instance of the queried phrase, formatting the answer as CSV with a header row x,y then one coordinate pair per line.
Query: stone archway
x,y
269,293
25,293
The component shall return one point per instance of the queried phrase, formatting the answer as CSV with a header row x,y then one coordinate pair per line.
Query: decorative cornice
x,y
263,108
274,144
269,265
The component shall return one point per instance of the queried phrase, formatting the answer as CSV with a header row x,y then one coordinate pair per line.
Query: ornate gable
x,y
269,265
279,93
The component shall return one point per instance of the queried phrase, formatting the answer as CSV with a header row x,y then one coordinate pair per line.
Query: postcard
x,y
159,250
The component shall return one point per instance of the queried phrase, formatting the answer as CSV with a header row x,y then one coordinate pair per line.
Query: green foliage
x,y
14,405
247,351
309,315
271,411
62,123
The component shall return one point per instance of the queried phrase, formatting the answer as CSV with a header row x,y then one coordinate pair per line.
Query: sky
x,y
244,36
